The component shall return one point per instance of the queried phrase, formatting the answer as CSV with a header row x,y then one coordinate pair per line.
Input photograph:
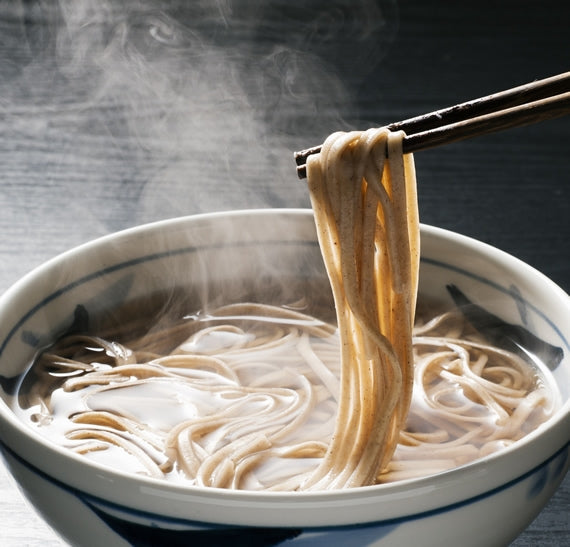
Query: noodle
x,y
253,384
263,397
364,199
470,400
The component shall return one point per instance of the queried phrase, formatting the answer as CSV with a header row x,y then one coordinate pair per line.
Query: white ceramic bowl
x,y
486,503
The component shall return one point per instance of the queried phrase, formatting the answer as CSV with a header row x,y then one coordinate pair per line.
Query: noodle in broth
x,y
256,396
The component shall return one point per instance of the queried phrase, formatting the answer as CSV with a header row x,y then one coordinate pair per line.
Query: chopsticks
x,y
522,105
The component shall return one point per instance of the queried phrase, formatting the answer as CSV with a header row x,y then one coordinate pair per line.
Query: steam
x,y
202,103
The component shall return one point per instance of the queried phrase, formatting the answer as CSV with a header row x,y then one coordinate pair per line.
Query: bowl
x,y
487,502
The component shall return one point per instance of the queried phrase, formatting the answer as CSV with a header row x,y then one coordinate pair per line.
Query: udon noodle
x,y
258,396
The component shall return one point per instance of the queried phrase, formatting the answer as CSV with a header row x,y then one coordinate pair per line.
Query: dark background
x,y
115,113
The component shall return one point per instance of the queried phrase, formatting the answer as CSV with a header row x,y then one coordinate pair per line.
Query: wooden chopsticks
x,y
523,105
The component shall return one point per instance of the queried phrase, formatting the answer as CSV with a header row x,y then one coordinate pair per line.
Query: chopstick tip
x,y
301,160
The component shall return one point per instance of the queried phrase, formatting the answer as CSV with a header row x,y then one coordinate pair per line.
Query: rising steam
x,y
201,103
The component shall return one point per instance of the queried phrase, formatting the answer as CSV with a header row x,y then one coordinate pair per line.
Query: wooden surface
x,y
114,113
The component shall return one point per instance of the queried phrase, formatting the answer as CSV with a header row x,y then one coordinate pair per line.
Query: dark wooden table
x,y
116,113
